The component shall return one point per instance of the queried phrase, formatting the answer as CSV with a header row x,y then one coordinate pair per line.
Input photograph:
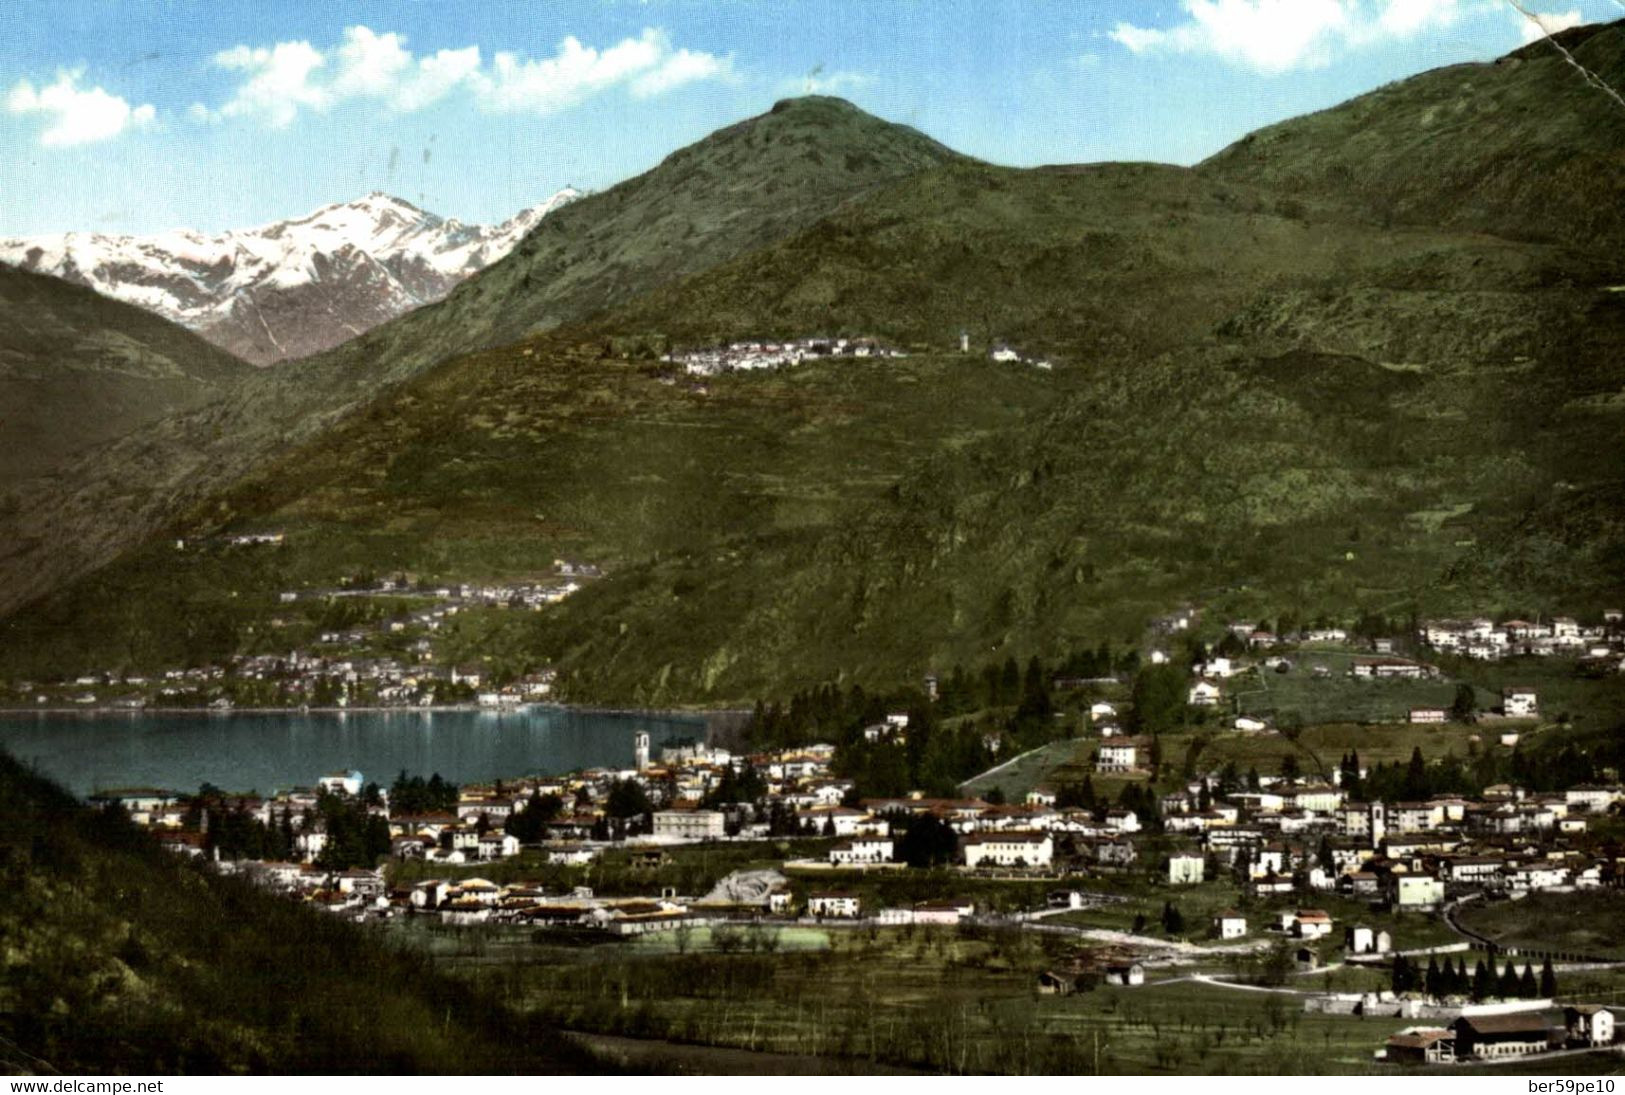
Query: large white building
x,y
1009,849
690,824
862,849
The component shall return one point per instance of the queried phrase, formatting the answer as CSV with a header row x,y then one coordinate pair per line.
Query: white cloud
x,y
279,82
683,67
289,77
1537,25
1275,36
77,115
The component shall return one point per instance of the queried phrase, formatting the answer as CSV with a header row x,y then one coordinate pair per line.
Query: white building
x,y
1122,754
690,825
341,783
1418,891
862,849
1186,868
835,904
1009,849
1520,703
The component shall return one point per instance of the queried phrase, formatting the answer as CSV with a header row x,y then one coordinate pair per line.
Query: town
x,y
1384,883
372,642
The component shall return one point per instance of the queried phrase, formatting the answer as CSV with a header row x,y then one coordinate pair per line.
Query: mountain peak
x,y
292,287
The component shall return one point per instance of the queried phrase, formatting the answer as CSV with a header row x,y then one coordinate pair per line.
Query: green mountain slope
x,y
737,190
1524,147
78,369
121,958
1263,397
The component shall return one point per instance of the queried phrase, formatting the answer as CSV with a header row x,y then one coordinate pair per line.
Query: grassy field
x,y
934,999
1590,923
1026,771
1300,697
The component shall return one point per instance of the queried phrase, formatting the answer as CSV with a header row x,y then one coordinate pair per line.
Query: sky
x,y
134,116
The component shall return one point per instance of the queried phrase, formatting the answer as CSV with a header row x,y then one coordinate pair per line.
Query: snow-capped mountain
x,y
290,288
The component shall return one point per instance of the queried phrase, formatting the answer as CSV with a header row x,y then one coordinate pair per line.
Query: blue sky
x,y
139,116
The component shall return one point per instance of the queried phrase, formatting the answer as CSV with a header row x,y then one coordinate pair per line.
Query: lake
x,y
267,751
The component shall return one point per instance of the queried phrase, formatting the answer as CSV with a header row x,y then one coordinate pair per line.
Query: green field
x,y
941,1000
1591,923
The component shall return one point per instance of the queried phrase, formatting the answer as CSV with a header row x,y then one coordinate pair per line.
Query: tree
x,y
927,841
1483,981
1173,921
1159,698
1404,978
1548,980
995,796
627,798
1289,767
1507,987
1528,988
528,823
1465,706
1416,776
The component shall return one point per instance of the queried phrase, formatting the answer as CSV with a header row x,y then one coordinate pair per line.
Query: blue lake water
x,y
265,752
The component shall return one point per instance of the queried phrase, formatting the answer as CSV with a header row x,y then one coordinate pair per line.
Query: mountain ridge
x,y
288,288
738,189
78,369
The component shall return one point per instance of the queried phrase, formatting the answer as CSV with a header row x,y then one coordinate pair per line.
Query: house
x,y
1421,1046
498,844
571,855
1051,983
1122,755
1123,821
1230,924
1114,853
1125,973
1520,702
1203,694
1102,712
1429,714
1358,939
1186,868
834,820
1417,891
861,849
835,904
1593,798
1490,1036
1311,923
341,783
1041,796
690,825
1589,1024
1011,848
